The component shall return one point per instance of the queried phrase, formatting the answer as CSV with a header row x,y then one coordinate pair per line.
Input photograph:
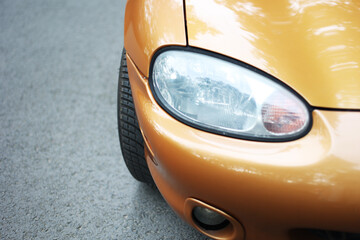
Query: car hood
x,y
312,45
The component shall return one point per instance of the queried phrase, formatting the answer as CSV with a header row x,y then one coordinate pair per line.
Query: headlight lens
x,y
226,98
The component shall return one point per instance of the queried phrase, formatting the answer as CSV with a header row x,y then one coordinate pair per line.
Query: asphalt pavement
x,y
61,171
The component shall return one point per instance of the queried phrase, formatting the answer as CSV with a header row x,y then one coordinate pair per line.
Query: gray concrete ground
x,y
61,171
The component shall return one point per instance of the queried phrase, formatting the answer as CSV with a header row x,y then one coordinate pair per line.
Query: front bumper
x,y
269,188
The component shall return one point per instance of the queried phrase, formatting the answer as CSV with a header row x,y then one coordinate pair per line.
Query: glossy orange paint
x,y
270,188
311,45
151,24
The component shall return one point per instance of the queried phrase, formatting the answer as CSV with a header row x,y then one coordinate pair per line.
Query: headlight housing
x,y
226,97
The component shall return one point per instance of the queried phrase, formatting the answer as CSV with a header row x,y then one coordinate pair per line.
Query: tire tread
x,y
131,140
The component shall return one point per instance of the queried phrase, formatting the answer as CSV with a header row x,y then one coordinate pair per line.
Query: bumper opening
x,y
212,221
209,219
319,234
335,235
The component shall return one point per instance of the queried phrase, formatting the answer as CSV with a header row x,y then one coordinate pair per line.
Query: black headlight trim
x,y
175,115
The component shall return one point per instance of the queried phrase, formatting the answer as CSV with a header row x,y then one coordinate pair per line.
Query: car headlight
x,y
226,97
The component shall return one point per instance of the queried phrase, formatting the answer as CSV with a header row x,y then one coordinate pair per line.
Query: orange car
x,y
246,113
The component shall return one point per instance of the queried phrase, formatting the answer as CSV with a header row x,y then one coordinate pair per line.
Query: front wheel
x,y
131,141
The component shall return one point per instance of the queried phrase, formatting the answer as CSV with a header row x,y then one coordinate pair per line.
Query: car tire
x,y
131,140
